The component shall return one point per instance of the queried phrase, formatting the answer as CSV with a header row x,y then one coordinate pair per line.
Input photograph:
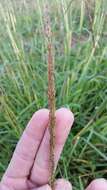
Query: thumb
x,y
62,184
98,184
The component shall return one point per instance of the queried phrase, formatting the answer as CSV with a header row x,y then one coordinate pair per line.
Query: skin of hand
x,y
29,166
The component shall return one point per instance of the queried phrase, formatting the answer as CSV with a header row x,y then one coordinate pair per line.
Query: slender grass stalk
x,y
90,22
51,94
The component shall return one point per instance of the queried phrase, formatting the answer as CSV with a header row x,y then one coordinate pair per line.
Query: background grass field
x,y
80,41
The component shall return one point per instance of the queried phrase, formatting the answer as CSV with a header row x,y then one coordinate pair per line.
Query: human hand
x,y
29,167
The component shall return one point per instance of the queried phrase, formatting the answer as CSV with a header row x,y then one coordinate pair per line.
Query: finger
x,y
45,187
98,184
62,184
27,147
4,187
40,171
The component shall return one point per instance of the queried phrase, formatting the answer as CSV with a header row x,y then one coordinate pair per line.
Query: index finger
x,y
27,146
